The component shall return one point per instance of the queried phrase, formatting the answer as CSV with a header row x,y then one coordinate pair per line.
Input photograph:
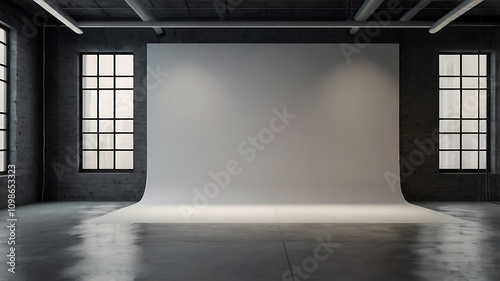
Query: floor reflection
x,y
56,241
453,252
108,252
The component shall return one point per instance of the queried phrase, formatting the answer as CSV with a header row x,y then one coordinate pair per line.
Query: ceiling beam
x,y
415,10
453,15
368,8
143,13
53,9
263,24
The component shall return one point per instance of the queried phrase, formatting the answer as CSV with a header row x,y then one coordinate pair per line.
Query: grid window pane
x,y
89,65
124,103
482,141
124,65
449,159
483,83
449,141
89,126
106,126
106,141
3,121
470,65
470,159
124,160
106,159
483,65
449,126
106,104
89,103
482,104
3,35
470,141
482,160
89,82
89,141
89,160
3,140
470,126
106,65
106,82
470,104
449,82
3,54
449,65
124,125
124,82
449,104
482,126
3,161
107,111
470,82
125,141
3,96
3,73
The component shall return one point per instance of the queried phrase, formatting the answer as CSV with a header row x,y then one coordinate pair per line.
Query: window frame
x,y
487,119
114,133
7,98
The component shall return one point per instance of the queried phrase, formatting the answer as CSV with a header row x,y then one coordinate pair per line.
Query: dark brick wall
x,y
65,182
418,102
25,104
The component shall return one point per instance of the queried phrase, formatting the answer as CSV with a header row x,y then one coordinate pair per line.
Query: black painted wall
x,y
25,104
418,103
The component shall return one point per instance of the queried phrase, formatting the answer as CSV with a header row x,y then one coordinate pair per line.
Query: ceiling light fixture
x,y
54,10
454,14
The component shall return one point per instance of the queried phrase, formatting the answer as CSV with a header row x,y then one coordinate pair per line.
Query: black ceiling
x,y
334,10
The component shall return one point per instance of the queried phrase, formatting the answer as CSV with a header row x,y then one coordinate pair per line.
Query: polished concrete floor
x,y
53,242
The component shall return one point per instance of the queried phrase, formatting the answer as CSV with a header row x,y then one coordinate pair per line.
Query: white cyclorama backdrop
x,y
297,123
266,133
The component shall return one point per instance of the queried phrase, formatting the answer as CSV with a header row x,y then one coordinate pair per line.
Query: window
x,y
107,112
463,114
4,71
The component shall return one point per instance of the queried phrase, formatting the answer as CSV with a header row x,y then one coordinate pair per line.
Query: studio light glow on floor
x,y
340,213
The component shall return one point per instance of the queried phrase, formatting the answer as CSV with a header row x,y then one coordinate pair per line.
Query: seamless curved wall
x,y
272,123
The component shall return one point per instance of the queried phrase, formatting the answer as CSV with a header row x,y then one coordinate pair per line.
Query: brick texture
x,y
418,103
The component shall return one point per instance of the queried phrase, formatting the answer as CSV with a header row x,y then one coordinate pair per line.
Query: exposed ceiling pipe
x,y
250,24
453,15
143,13
415,10
268,24
368,8
54,10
